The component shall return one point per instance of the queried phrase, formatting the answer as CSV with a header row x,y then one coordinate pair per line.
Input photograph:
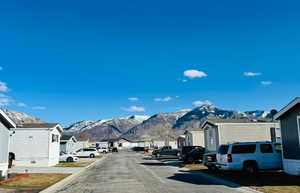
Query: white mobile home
x,y
194,137
223,131
6,124
68,144
289,118
36,144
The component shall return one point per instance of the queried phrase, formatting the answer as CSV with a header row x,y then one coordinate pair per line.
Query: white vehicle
x,y
87,152
103,150
249,156
67,157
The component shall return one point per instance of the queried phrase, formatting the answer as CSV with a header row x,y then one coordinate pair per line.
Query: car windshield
x,y
223,149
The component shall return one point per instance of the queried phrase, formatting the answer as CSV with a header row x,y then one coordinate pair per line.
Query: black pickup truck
x,y
165,152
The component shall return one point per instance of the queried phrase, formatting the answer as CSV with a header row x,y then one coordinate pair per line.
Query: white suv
x,y
87,152
250,156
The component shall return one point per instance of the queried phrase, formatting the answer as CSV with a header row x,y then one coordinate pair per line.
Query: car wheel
x,y
158,155
70,159
92,156
250,168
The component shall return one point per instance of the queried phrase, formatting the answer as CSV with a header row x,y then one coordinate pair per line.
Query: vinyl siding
x,y
230,133
4,141
54,148
290,135
211,138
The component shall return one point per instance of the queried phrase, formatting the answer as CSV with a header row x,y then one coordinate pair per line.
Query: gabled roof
x,y
40,126
287,108
67,138
6,120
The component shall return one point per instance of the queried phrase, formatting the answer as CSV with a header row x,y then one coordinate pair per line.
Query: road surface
x,y
129,172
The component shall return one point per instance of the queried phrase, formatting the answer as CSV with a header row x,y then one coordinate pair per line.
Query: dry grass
x,y
34,181
268,182
74,164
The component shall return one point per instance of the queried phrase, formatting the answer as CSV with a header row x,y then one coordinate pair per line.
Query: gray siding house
x,y
6,124
289,118
68,144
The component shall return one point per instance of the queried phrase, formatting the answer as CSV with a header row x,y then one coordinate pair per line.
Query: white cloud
x,y
5,100
39,108
1,68
21,105
165,99
252,74
266,83
133,99
134,109
3,87
200,103
184,80
194,74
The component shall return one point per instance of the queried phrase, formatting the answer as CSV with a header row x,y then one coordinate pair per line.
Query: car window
x,y
266,148
223,149
278,148
243,149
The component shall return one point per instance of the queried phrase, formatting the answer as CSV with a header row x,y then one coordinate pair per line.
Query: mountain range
x,y
158,126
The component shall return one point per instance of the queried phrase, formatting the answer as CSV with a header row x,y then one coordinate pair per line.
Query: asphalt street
x,y
129,172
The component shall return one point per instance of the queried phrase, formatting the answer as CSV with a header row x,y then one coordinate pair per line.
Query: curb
x,y
67,180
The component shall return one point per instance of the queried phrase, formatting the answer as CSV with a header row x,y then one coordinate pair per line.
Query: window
x,y
243,149
55,138
278,148
223,149
266,148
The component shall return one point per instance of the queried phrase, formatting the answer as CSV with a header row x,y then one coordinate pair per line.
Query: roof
x,y
40,126
6,120
287,108
216,121
66,137
37,125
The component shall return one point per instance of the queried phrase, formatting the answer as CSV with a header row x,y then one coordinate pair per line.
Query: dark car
x,y
115,150
185,150
138,149
194,156
166,152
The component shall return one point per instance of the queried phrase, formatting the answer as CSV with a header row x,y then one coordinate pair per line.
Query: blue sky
x,y
65,61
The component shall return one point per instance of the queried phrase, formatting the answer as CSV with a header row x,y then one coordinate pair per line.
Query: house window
x,y
55,138
298,123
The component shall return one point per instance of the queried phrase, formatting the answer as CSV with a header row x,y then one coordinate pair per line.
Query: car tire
x,y
92,156
70,159
158,155
250,168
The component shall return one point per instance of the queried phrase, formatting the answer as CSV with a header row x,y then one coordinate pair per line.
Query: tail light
x,y
229,158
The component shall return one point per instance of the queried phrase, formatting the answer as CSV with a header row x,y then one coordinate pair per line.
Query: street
x,y
129,172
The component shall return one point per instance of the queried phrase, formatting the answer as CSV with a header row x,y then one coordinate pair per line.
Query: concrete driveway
x,y
129,172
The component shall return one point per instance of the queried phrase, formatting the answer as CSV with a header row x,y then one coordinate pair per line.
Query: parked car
x,y
194,155
67,157
210,160
249,157
165,151
185,150
87,152
138,149
114,150
103,150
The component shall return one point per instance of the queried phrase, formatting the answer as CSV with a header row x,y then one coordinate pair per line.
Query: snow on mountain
x,y
21,118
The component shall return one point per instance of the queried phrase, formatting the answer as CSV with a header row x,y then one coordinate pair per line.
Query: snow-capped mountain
x,y
21,118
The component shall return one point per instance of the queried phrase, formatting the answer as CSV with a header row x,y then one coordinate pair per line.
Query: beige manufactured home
x,y
194,137
223,131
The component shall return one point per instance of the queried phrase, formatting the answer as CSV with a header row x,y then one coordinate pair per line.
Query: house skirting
x,y
43,162
3,169
291,166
